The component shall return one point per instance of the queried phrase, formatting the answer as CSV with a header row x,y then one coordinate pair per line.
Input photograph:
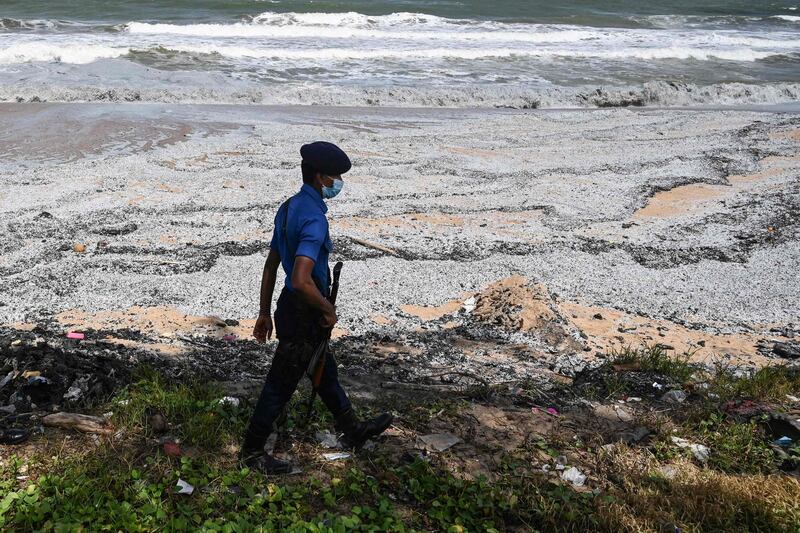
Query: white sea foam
x,y
534,34
414,26
72,53
341,54
7,23
82,53
359,20
407,35
790,18
43,24
648,94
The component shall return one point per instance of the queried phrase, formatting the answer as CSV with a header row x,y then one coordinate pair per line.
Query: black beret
x,y
325,157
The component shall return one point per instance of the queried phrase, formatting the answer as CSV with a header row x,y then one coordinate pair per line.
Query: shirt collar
x,y
312,192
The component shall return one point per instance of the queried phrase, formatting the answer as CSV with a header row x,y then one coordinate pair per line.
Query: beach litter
x,y
9,377
327,439
699,451
636,435
336,456
469,304
13,436
674,396
77,389
784,442
437,442
172,449
574,476
552,411
782,425
184,487
76,335
229,400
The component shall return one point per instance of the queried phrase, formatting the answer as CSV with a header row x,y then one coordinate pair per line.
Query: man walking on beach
x,y
301,243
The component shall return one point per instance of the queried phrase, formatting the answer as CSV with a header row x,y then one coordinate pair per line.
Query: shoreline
x,y
780,108
660,214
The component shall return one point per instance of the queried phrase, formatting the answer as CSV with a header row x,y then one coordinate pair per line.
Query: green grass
x,y
111,491
736,448
656,358
106,493
193,409
129,484
771,383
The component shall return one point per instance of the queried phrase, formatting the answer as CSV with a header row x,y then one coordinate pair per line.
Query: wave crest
x,y
656,93
79,54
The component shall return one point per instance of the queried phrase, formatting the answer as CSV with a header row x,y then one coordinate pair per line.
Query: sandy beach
x,y
675,226
570,298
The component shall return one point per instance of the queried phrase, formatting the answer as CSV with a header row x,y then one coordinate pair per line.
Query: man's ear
x,y
321,177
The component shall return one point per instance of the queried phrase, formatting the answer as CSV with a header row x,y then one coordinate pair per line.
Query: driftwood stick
x,y
420,386
84,423
375,246
469,375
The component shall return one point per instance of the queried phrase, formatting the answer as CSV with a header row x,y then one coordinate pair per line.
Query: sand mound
x,y
515,304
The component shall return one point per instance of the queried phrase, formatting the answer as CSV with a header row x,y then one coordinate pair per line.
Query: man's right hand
x,y
263,328
329,318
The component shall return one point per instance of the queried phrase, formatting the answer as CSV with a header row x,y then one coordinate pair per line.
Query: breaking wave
x,y
246,30
414,27
35,24
78,54
654,94
403,59
788,18
11,24
339,54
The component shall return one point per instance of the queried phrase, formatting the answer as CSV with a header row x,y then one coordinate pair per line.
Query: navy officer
x,y
301,244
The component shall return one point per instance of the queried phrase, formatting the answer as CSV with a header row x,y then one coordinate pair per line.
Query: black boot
x,y
252,455
256,459
355,432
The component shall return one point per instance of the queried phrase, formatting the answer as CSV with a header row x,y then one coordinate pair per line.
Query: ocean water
x,y
507,53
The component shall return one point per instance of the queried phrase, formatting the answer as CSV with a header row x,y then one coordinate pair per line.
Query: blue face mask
x,y
333,190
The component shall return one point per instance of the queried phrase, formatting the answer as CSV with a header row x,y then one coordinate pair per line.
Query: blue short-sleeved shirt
x,y
306,233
